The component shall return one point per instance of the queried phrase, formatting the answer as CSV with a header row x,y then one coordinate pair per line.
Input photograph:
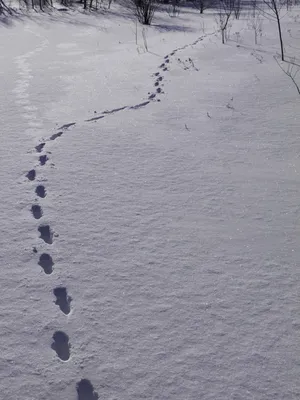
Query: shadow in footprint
x,y
56,135
94,119
114,110
66,126
85,390
40,147
31,175
140,105
62,299
43,159
61,345
40,191
36,211
46,233
46,263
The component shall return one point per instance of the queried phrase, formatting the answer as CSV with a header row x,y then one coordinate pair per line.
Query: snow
x,y
174,225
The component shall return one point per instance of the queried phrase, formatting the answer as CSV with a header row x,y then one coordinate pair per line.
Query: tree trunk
x,y
280,34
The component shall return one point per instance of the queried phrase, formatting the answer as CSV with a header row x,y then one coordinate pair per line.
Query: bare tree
x,y
144,10
174,10
237,8
291,70
226,8
272,10
201,5
4,8
256,23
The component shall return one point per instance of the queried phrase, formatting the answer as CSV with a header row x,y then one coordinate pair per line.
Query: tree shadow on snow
x,y
172,28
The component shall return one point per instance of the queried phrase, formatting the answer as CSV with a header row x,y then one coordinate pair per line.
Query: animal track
x,y
85,390
56,135
40,191
156,83
62,299
160,78
152,96
36,211
43,159
31,175
158,90
156,74
61,345
46,263
40,147
46,233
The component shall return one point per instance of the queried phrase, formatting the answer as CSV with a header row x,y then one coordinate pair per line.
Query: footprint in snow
x,y
46,263
40,147
156,83
158,90
56,135
46,233
62,299
61,345
40,191
85,390
136,107
43,159
31,175
36,211
66,126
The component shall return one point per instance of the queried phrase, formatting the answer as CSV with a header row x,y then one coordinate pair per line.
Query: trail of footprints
x,y
60,340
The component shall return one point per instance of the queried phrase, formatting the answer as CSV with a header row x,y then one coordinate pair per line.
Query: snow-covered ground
x,y
172,219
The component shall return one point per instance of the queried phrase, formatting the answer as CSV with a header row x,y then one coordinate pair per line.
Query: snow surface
x,y
173,221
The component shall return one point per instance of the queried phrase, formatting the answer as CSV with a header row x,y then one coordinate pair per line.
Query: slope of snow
x,y
172,221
